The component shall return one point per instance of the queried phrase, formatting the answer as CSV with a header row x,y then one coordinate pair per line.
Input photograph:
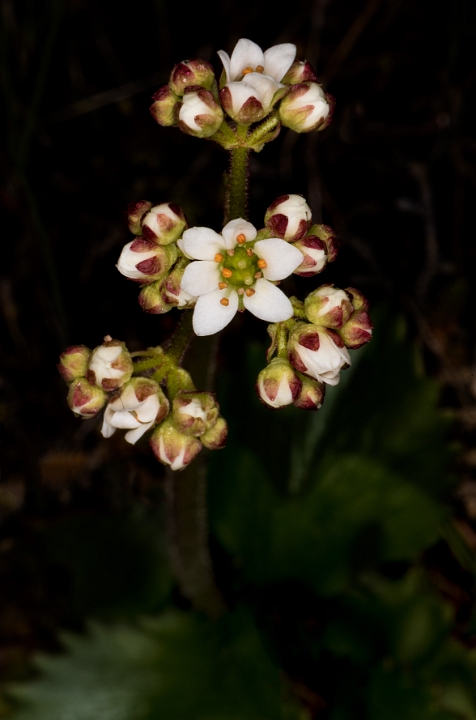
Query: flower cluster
x,y
183,420
253,85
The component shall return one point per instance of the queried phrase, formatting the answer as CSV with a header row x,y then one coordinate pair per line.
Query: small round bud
x,y
139,405
317,352
135,213
328,306
300,71
163,107
215,437
357,330
191,72
151,300
164,223
84,399
73,362
172,292
314,256
289,216
328,237
251,99
144,261
359,302
199,114
110,365
306,107
312,394
194,412
278,384
171,447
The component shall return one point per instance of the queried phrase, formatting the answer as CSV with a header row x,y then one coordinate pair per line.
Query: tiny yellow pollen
x,y
258,275
241,238
259,68
222,285
250,292
249,252
218,257
262,263
224,301
247,70
226,272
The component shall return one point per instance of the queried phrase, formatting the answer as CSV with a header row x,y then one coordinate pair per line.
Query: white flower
x,y
138,407
313,351
232,272
305,108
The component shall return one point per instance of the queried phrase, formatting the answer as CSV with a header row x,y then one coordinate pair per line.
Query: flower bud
x,y
289,216
194,412
251,99
135,213
191,72
315,256
215,437
163,107
300,71
164,223
110,365
278,384
317,352
84,399
151,300
73,362
358,300
327,235
357,330
139,405
328,306
144,261
199,114
171,447
172,292
312,394
306,107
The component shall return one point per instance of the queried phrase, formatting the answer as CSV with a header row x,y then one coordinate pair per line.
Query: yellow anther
x,y
262,263
247,70
218,257
226,273
222,285
241,238
250,292
259,68
224,301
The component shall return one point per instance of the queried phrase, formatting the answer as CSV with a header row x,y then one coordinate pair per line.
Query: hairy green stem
x,y
177,345
237,186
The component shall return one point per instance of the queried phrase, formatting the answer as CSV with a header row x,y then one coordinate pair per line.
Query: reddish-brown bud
x,y
151,300
289,217
73,362
328,306
84,399
215,437
278,384
357,330
135,213
312,394
191,72
300,71
163,107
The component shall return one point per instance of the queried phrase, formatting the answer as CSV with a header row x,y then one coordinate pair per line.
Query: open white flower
x,y
232,272
247,57
140,405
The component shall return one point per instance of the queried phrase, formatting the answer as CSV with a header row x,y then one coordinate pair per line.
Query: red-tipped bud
x,y
163,107
358,300
164,223
73,362
328,237
191,72
317,352
144,261
314,256
135,213
194,412
215,438
357,330
289,217
278,384
110,365
251,99
199,114
171,447
312,394
300,71
172,292
84,399
151,300
328,306
306,107
139,405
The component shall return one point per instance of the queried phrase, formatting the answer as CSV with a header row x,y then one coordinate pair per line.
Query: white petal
x,y
201,243
210,316
235,228
278,59
182,247
124,420
240,92
265,87
268,303
107,429
129,259
148,409
281,258
107,353
200,277
246,54
192,106
133,435
225,58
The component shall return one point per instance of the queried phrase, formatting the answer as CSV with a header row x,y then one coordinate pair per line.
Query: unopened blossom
x,y
278,384
135,213
194,412
110,365
305,107
299,72
140,405
144,261
74,362
289,216
253,79
172,447
199,115
328,306
311,395
151,299
172,291
357,330
215,437
163,106
318,352
233,272
314,256
191,72
85,399
163,223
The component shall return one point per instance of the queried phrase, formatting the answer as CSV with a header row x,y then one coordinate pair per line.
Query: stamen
x,y
218,257
249,252
241,238
247,70
242,264
222,285
258,275
226,272
250,292
248,280
262,263
224,301
259,68
241,291
231,252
